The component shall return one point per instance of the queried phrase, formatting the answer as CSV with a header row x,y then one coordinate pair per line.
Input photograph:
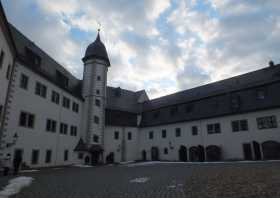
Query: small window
x,y
35,157
51,125
151,135
165,151
129,135
48,156
97,102
95,138
213,128
97,92
163,133
24,81
239,125
41,90
66,155
73,131
194,130
55,97
98,78
116,135
8,72
75,107
96,119
66,102
26,120
63,128
178,132
2,54
260,94
173,110
267,122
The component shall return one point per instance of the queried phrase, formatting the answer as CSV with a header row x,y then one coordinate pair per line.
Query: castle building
x,y
51,118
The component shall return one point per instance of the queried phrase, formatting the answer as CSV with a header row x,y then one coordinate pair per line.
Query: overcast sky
x,y
162,46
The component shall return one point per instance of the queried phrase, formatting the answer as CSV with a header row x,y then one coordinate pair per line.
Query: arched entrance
x,y
201,153
213,153
154,154
271,150
193,154
144,155
257,150
183,155
87,160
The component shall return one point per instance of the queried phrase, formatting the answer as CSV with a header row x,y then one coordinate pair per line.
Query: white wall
x,y
8,60
43,108
231,143
112,145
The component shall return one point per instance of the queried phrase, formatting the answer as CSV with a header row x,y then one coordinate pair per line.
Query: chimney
x,y
271,64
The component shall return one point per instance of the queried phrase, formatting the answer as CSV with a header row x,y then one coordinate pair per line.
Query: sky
x,y
162,46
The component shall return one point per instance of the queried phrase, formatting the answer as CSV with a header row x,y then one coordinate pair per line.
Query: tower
x,y
96,63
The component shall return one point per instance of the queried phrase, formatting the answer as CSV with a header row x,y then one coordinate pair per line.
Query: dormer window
x,y
62,79
189,108
118,92
32,57
235,102
260,94
173,110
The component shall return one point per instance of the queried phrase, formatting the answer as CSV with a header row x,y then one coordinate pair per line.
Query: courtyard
x,y
154,179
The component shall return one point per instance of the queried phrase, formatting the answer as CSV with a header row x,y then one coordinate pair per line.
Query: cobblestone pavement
x,y
165,180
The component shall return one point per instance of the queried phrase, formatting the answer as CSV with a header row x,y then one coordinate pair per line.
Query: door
x,y
144,155
155,154
247,150
94,158
183,155
257,150
18,153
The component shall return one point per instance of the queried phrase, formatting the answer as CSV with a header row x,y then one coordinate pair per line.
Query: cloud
x,y
162,46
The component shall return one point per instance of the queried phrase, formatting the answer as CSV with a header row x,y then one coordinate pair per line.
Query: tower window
x,y
97,91
95,138
98,78
97,102
129,135
96,119
116,135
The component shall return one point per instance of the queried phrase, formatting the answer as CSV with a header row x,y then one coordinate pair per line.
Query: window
x,y
97,102
35,157
48,156
173,110
62,79
151,135
116,135
260,94
80,155
73,131
51,125
97,91
96,119
75,107
129,135
163,133
213,128
239,125
24,81
55,97
95,138
63,128
235,102
32,57
98,78
66,102
8,72
194,130
66,155
178,132
267,122
189,108
165,151
41,90
26,120
2,54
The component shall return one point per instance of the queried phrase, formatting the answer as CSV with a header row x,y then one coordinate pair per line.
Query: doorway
x,y
155,154
247,151
271,150
257,150
183,155
144,155
95,157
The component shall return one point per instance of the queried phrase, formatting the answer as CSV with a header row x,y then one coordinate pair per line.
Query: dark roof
x,y
120,118
97,50
123,100
6,29
247,80
48,66
232,96
81,146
